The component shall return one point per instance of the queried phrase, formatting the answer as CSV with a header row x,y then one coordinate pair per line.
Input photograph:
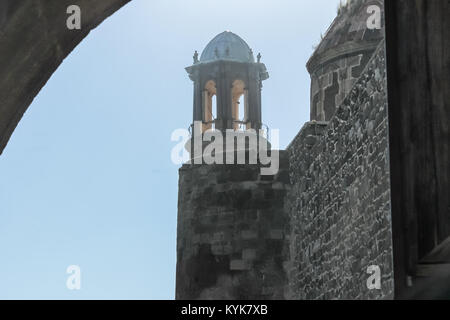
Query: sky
x,y
87,177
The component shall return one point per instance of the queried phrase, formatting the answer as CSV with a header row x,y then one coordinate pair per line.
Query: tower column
x,y
198,103
254,102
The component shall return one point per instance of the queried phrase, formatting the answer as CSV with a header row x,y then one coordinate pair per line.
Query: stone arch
x,y
34,40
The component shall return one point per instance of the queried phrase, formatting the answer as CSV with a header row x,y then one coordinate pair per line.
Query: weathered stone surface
x,y
231,232
34,40
339,204
341,56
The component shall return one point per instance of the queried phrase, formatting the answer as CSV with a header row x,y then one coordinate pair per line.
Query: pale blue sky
x,y
87,179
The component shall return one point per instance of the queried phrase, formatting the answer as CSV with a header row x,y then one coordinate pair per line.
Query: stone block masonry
x,y
310,232
339,202
231,236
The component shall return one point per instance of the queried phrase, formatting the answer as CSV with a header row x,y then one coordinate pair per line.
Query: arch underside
x,y
34,40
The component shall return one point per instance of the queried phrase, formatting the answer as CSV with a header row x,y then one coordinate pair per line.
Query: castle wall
x,y
339,202
231,232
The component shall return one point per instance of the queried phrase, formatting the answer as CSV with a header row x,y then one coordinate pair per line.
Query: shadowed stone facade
x,y
418,58
231,232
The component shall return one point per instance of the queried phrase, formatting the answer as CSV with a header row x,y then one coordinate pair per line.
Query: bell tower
x,y
227,84
231,221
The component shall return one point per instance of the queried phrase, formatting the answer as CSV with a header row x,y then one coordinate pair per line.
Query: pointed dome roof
x,y
227,46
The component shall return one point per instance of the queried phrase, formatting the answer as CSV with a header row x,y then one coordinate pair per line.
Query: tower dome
x,y
227,85
227,46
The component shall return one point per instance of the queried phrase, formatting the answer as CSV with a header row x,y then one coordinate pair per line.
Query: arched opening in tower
x,y
210,105
239,105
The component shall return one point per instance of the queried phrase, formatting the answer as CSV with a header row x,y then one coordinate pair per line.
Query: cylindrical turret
x,y
342,55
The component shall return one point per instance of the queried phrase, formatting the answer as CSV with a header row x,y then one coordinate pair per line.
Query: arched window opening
x,y
209,106
214,107
239,105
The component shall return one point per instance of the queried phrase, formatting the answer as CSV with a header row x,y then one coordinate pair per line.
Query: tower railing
x,y
242,126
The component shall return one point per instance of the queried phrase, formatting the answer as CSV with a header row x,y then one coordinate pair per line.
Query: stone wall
x,y
339,202
332,82
231,232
